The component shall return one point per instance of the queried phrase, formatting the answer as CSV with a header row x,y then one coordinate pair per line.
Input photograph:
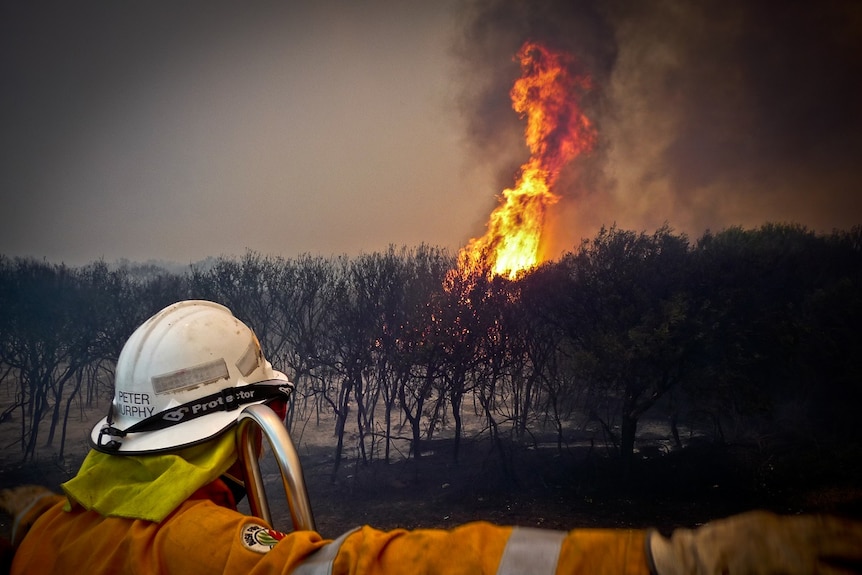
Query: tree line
x,y
742,328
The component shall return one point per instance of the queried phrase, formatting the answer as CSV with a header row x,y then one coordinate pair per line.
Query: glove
x,y
15,500
19,500
760,543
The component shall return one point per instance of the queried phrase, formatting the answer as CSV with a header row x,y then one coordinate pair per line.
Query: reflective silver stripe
x,y
250,359
320,562
202,374
531,551
16,524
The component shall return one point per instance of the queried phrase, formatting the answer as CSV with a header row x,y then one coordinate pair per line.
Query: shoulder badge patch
x,y
258,538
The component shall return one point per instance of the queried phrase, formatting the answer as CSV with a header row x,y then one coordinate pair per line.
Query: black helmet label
x,y
136,405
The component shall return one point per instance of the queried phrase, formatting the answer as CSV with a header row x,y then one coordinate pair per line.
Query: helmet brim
x,y
173,438
169,439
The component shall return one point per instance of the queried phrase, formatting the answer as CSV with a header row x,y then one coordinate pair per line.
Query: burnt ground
x,y
577,488
547,488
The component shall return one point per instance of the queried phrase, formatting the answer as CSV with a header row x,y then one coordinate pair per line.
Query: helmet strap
x,y
227,399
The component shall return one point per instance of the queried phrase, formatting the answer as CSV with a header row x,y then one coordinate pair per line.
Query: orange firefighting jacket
x,y
205,535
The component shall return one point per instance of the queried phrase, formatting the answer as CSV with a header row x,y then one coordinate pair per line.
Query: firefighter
x,y
157,493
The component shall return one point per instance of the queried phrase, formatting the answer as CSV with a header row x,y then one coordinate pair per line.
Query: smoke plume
x,y
709,114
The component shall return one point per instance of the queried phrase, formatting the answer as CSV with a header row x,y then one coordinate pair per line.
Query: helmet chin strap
x,y
227,399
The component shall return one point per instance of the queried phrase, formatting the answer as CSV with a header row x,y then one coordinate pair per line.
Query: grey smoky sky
x,y
180,130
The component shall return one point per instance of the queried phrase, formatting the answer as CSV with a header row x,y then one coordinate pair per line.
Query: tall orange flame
x,y
557,131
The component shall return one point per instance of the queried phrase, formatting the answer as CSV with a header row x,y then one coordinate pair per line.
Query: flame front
x,y
546,95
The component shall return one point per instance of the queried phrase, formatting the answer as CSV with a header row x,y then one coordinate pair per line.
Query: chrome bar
x,y
288,462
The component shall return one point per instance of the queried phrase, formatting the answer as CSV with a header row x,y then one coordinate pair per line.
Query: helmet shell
x,y
188,350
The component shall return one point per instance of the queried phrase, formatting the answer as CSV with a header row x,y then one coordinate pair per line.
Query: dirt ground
x,y
567,490
575,487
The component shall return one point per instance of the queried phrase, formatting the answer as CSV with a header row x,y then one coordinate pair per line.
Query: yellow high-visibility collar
x,y
148,487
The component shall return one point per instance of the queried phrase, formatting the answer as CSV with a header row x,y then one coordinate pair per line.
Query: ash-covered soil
x,y
538,486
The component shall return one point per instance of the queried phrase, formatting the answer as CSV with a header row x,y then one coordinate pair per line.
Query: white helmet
x,y
182,377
